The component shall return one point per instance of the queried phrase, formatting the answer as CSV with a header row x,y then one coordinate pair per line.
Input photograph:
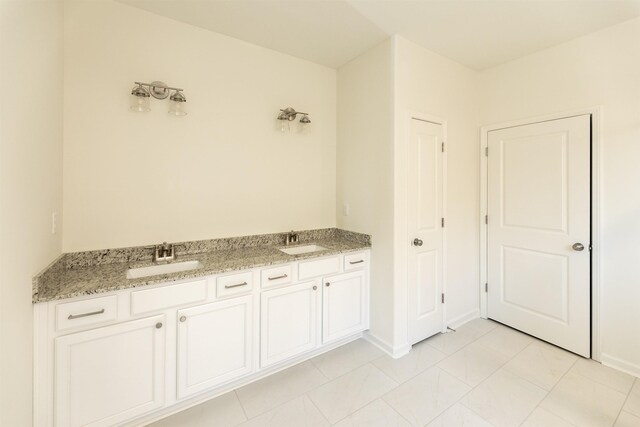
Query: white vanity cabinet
x,y
130,356
108,375
290,321
214,344
344,305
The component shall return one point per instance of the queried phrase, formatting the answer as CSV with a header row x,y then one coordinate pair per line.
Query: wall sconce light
x,y
140,97
288,115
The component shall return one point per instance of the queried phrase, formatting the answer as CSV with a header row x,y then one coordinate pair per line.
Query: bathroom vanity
x,y
117,351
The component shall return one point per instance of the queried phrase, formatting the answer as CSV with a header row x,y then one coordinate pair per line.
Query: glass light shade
x,y
305,124
140,103
284,125
177,108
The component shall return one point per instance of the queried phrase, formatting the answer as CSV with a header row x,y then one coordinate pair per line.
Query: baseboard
x,y
621,365
456,322
395,352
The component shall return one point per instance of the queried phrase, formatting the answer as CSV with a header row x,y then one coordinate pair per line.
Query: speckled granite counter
x,y
94,272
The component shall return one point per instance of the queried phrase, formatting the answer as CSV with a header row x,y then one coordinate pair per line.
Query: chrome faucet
x,y
165,252
291,238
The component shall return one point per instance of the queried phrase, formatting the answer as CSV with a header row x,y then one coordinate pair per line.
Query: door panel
x,y
214,344
289,321
109,375
343,306
424,223
539,206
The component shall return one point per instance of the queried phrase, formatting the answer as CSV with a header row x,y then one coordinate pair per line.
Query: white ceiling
x,y
476,33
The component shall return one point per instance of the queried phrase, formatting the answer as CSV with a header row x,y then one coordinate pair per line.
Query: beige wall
x,y
428,83
601,69
30,183
365,170
224,170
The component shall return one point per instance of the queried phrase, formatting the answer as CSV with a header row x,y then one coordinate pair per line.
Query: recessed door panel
x,y
428,180
536,282
428,283
525,172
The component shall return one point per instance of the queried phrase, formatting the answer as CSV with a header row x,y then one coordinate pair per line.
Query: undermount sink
x,y
299,250
154,270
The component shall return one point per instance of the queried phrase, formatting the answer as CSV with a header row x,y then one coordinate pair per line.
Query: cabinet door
x,y
289,322
344,308
214,344
108,375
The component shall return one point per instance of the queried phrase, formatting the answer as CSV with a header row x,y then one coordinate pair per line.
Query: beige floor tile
x,y
345,395
482,325
426,396
504,399
375,414
274,390
542,364
474,363
346,358
543,418
300,412
222,411
613,378
451,341
625,419
506,340
459,416
632,404
584,402
421,357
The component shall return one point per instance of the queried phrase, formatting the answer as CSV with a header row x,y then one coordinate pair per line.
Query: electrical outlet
x,y
346,209
54,222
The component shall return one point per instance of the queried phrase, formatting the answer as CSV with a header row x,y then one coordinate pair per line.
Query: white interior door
x,y
539,230
425,230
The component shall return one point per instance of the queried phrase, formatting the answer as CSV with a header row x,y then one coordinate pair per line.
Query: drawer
x,y
168,296
86,312
319,267
234,284
356,261
275,276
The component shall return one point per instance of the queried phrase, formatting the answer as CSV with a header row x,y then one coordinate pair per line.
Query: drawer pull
x,y
77,316
356,262
278,277
235,286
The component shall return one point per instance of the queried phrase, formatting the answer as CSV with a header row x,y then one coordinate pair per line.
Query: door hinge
x,y
486,219
442,298
486,151
442,222
486,287
443,147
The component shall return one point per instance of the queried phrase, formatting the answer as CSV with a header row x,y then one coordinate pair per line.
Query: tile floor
x,y
484,374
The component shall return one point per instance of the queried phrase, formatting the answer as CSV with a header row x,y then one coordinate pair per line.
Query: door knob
x,y
578,247
417,242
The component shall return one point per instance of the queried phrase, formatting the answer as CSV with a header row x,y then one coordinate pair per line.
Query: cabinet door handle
x,y
278,277
315,288
183,318
356,262
77,316
158,325
327,284
235,286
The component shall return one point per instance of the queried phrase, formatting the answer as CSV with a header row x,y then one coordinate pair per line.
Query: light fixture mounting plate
x,y
158,90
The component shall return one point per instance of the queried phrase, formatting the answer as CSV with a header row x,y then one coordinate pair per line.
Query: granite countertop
x,y
85,273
